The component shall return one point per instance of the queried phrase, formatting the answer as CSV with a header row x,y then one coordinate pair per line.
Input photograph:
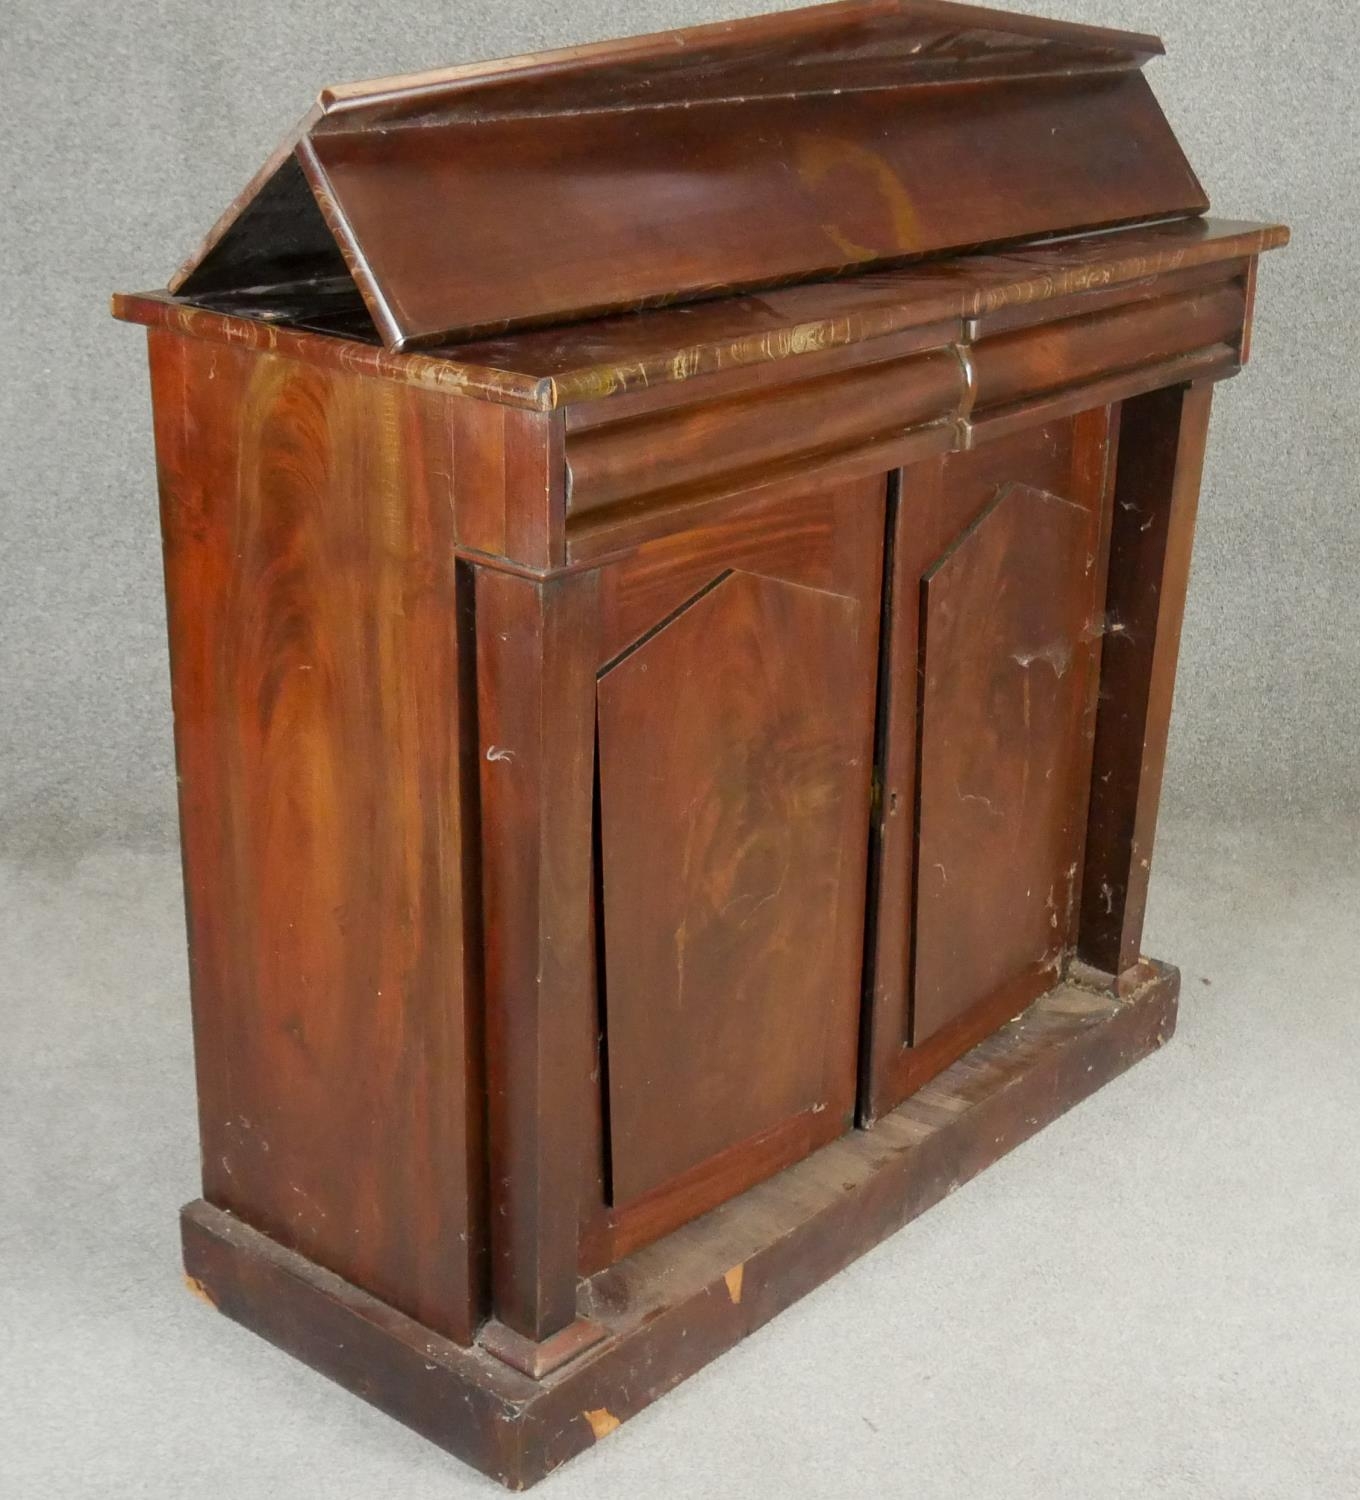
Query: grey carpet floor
x,y
1158,1296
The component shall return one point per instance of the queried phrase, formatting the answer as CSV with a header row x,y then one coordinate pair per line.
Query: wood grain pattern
x,y
816,144
645,470
1072,350
605,359
792,327
864,43
938,502
1003,695
733,815
653,459
740,194
784,747
620,531
347,354
823,536
536,655
509,489
874,43
309,572
1161,280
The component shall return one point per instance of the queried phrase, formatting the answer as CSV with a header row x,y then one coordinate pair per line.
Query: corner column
x,y
535,749
1156,493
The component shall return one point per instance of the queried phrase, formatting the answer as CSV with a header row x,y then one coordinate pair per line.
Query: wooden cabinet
x,y
667,791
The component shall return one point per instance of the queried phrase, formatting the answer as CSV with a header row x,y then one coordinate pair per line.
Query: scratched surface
x,y
613,356
1005,658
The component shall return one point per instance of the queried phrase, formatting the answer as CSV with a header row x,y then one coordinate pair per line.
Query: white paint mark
x,y
1058,656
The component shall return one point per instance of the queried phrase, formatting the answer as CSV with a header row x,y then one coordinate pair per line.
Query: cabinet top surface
x,y
724,158
547,368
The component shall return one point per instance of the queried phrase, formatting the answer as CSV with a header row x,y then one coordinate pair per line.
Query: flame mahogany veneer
x,y
675,555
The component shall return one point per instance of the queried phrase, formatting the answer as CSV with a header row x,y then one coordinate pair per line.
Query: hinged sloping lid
x,y
726,157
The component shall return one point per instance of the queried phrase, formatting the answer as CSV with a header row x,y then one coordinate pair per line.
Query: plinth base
x,y
671,1308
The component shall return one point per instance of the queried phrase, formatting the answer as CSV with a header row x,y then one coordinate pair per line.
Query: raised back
x,y
436,206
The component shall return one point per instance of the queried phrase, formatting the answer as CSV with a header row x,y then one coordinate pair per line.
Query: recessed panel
x,y
733,820
1005,651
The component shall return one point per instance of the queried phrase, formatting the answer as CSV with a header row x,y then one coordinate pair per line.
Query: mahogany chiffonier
x,y
675,554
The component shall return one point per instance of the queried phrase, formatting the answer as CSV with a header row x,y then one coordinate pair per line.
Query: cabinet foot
x,y
537,1359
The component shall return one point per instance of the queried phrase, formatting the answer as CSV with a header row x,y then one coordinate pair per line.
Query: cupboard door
x,y
1005,616
735,739
991,668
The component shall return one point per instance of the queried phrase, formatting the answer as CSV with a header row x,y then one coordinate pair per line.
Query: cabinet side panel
x,y
315,674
